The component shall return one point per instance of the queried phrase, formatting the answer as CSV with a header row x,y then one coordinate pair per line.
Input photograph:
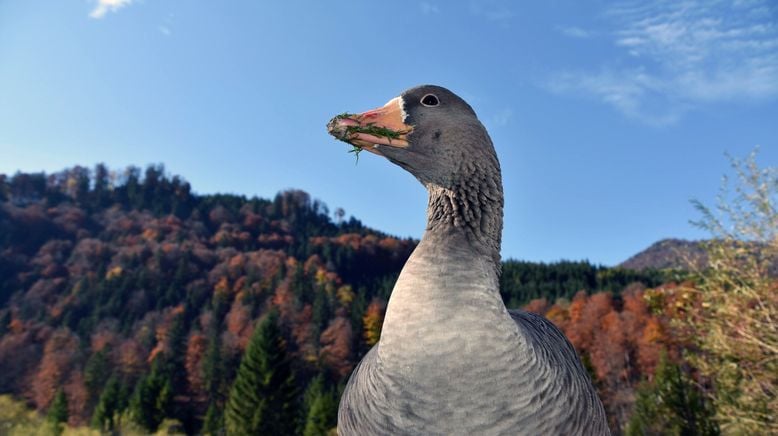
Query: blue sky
x,y
608,117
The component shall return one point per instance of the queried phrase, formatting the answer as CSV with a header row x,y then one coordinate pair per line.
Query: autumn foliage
x,y
619,339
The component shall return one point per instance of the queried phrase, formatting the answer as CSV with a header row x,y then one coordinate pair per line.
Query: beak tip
x,y
338,126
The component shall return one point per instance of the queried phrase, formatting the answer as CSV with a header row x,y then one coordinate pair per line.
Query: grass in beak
x,y
356,150
370,129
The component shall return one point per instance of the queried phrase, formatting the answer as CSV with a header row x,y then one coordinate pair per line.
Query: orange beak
x,y
368,130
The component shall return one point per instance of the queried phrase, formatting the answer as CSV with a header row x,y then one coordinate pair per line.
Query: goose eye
x,y
430,100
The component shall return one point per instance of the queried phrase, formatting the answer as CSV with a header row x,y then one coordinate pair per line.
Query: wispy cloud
x,y
574,32
492,10
502,118
166,27
678,55
634,92
102,7
428,8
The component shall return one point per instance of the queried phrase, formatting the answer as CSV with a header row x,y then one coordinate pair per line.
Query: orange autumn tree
x,y
195,351
336,345
59,355
618,339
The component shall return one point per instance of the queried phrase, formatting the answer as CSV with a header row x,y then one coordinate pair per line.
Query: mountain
x,y
675,254
683,255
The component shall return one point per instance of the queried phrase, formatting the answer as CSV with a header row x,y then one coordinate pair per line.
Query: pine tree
x,y
262,399
320,406
174,366
671,405
213,424
108,407
152,400
58,412
96,372
101,193
213,361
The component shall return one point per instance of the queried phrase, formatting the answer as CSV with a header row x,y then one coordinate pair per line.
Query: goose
x,y
451,359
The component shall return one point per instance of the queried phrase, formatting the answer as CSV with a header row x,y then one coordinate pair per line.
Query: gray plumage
x,y
452,360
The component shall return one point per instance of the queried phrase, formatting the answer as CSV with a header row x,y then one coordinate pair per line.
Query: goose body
x,y
452,360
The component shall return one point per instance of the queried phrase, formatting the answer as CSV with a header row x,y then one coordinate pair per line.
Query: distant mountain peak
x,y
670,253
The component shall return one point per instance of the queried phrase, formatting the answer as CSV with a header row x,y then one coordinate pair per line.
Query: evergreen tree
x,y
262,399
213,424
101,191
58,412
174,359
320,406
671,405
213,362
151,402
109,406
96,372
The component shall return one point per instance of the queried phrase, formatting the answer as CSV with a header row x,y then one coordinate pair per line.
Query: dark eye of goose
x,y
430,100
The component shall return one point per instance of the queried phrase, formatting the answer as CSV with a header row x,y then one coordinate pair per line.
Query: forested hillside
x,y
133,279
128,301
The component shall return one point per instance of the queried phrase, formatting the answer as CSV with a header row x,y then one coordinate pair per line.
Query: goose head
x,y
427,130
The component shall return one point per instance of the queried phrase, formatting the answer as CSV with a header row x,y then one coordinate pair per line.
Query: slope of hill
x,y
668,254
132,281
682,255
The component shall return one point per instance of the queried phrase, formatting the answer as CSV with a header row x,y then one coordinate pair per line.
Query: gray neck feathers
x,y
473,206
454,270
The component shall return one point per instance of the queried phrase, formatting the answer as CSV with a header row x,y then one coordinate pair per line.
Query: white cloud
x,y
679,55
104,6
429,8
165,30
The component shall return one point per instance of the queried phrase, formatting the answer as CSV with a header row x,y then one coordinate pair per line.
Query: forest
x,y
130,304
